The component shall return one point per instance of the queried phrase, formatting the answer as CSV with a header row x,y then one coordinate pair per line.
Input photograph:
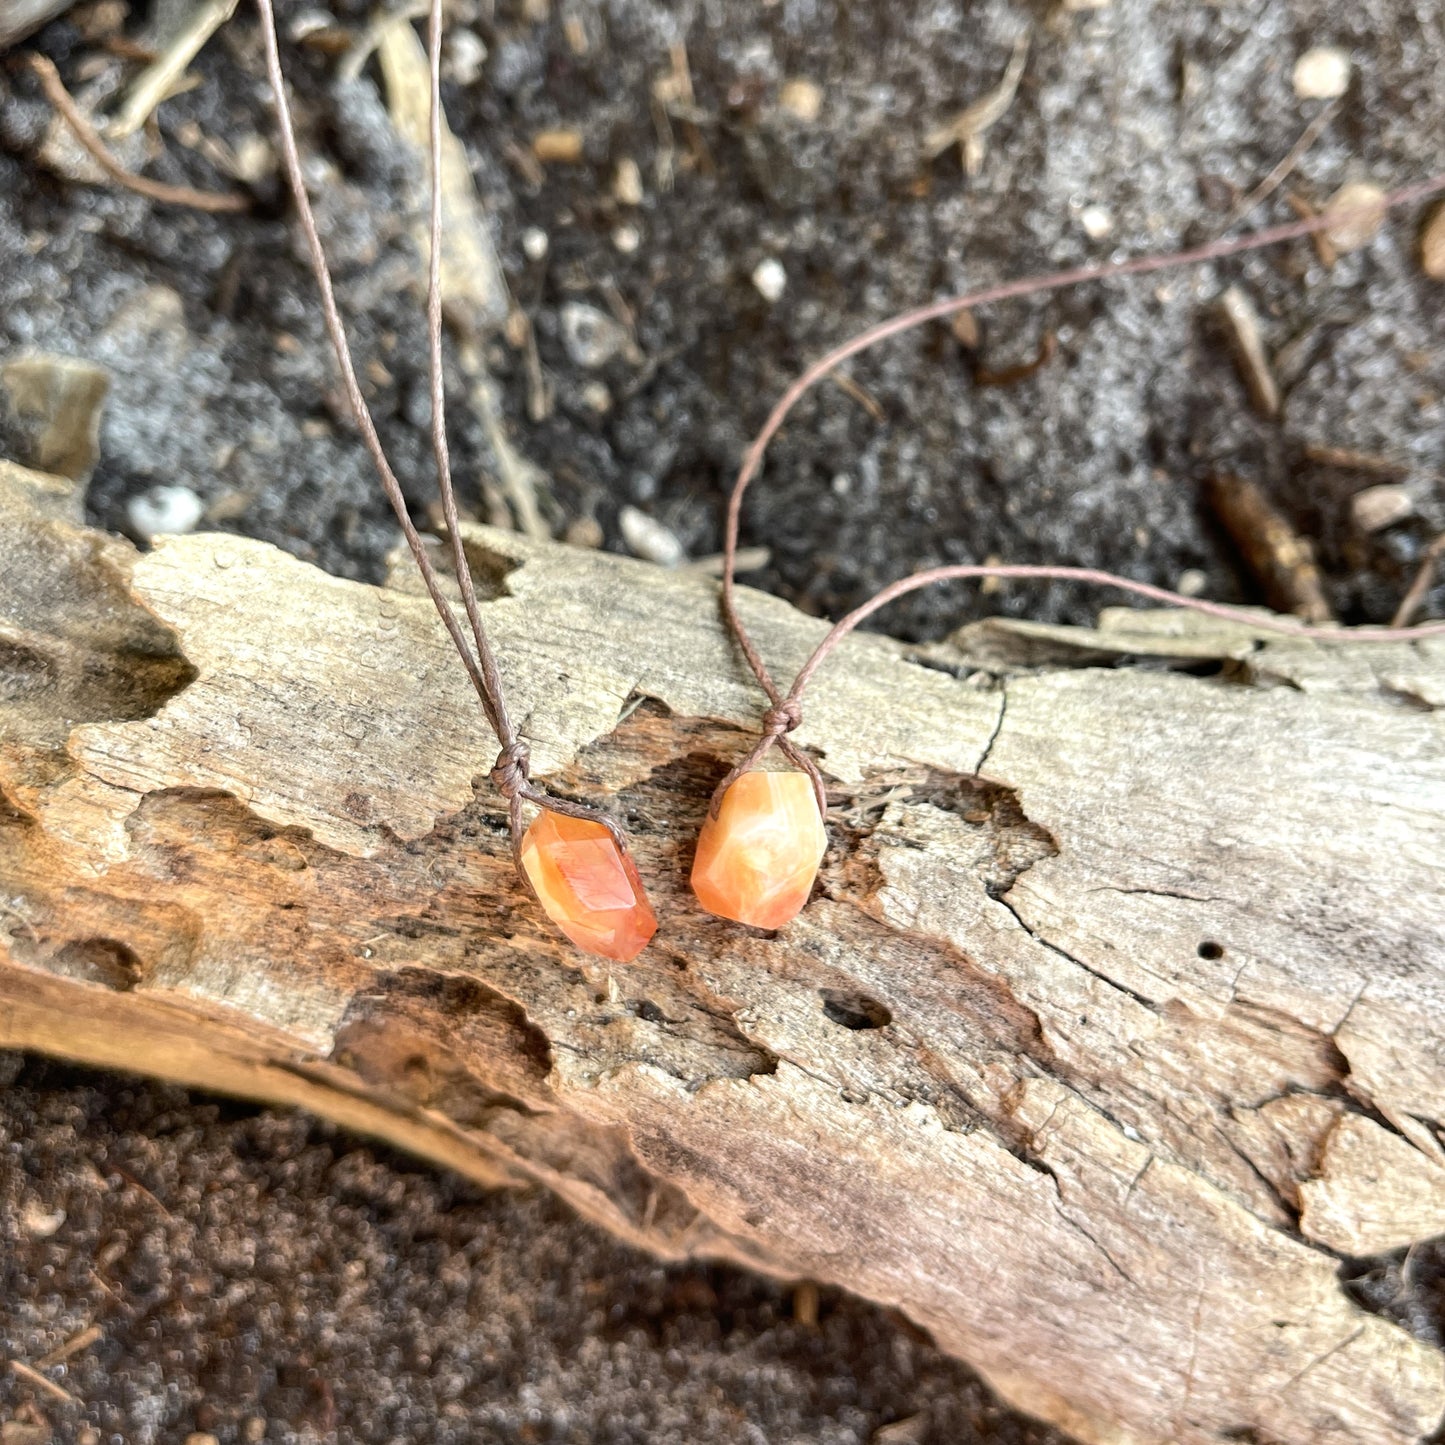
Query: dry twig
x,y
73,1346
1281,560
1239,316
966,129
158,81
1421,584
85,133
1291,158
34,1377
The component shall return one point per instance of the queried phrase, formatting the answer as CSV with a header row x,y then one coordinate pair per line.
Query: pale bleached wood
x,y
1164,984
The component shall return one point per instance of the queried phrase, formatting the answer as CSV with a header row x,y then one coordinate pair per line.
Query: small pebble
x,y
584,532
627,238
770,279
1376,508
1191,583
592,337
39,1223
627,183
163,510
254,159
964,326
534,243
596,398
466,55
1432,245
1096,221
647,538
801,98
1365,203
1322,73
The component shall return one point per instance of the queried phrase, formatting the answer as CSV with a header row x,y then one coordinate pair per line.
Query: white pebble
x,y
770,279
466,54
592,337
1096,221
647,538
38,1223
1191,583
627,239
534,243
163,510
1376,508
802,98
596,398
1322,74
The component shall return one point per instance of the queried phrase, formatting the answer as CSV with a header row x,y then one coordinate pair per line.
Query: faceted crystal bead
x,y
757,859
587,885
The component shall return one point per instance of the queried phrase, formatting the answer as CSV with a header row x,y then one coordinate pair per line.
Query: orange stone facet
x,y
757,859
587,885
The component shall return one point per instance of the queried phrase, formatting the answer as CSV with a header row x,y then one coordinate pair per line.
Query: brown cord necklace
x,y
575,859
763,838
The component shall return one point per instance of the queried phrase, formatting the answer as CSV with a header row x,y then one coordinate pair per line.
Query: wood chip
x,y
1281,561
557,147
911,1430
474,293
966,130
627,183
1432,245
159,80
1242,322
964,325
56,403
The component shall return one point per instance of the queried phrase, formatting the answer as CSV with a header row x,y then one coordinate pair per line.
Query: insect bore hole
x,y
1210,949
854,1010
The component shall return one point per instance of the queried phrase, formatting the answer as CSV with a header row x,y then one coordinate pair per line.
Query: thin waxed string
x,y
510,772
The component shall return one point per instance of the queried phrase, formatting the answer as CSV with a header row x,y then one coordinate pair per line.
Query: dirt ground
x,y
244,1266
257,1276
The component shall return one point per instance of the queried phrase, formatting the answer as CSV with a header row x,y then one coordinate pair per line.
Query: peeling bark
x,y
1120,1011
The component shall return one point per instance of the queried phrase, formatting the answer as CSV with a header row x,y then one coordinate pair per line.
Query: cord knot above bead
x,y
782,717
509,772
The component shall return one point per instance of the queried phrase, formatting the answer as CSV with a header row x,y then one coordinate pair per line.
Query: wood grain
x,y
1119,1015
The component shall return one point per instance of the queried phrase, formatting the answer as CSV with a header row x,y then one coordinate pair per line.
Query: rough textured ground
x,y
1160,114
259,1276
243,1266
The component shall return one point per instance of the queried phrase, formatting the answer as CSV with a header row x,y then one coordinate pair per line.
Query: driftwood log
x,y
1118,1020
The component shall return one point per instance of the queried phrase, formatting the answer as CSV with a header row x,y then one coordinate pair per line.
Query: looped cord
x,y
510,776
784,713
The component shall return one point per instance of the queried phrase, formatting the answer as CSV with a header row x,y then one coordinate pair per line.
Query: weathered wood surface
x,y
1120,1014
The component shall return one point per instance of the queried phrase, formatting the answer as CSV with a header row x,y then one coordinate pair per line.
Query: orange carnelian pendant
x,y
756,860
587,885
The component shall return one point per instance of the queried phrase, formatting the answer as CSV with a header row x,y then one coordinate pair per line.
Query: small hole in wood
x,y
1210,949
854,1010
